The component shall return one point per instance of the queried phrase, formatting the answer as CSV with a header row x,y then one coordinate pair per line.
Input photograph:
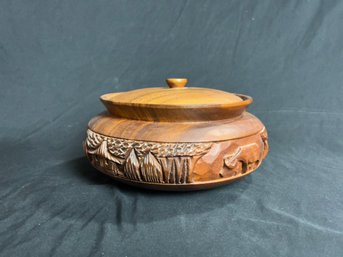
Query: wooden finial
x,y
176,82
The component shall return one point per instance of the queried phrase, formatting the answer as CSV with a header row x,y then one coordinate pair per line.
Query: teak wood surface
x,y
177,138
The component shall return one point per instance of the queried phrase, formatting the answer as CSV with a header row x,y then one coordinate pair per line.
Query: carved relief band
x,y
175,163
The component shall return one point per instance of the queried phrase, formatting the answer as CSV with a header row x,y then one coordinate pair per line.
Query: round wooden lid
x,y
176,103
176,95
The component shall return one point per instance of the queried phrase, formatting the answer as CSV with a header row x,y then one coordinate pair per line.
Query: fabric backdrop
x,y
58,57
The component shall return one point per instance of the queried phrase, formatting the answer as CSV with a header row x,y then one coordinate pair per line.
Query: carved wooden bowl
x,y
176,138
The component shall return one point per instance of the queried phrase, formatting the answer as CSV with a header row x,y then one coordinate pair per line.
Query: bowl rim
x,y
246,100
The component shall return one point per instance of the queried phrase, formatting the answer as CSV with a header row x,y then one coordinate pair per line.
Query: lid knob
x,y
176,82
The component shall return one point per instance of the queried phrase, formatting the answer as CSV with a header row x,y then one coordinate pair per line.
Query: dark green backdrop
x,y
58,57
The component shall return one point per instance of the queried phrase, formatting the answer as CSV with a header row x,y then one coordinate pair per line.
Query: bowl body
x,y
176,155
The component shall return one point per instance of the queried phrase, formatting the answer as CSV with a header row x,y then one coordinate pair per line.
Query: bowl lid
x,y
175,103
176,95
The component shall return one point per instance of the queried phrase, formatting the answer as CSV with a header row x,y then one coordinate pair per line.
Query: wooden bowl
x,y
176,138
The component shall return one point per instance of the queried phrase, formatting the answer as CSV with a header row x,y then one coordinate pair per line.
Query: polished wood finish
x,y
175,112
176,166
173,97
176,103
161,138
239,127
177,82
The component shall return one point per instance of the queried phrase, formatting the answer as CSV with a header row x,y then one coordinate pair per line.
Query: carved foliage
x,y
151,169
170,163
144,161
132,166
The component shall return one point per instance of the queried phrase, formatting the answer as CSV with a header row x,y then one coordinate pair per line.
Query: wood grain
x,y
187,165
241,126
176,138
176,103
